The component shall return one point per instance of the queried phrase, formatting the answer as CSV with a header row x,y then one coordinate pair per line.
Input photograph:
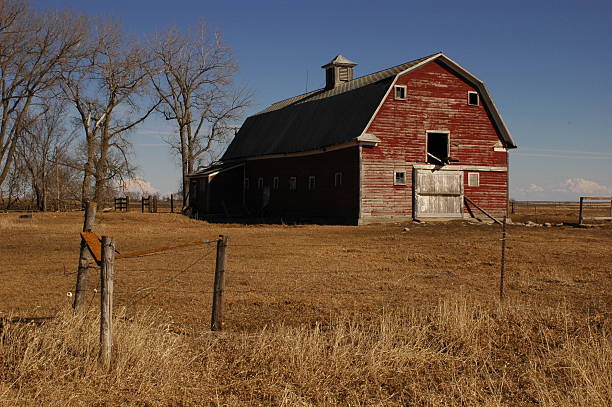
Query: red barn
x,y
419,140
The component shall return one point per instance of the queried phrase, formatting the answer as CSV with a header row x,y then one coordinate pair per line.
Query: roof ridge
x,y
394,66
304,97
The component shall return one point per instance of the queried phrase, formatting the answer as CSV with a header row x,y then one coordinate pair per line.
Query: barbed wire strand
x,y
150,290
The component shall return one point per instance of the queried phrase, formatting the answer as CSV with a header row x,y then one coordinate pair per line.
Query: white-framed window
x,y
246,183
473,179
399,92
473,98
311,182
399,177
275,183
338,179
260,183
292,183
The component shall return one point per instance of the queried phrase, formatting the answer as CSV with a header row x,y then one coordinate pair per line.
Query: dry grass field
x,y
387,315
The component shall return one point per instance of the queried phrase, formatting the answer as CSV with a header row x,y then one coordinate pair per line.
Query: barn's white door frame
x,y
437,193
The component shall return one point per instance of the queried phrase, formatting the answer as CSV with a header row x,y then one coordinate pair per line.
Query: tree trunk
x,y
185,168
88,170
84,256
43,204
101,169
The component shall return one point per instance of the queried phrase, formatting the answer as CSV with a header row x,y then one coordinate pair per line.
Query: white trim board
x,y
484,168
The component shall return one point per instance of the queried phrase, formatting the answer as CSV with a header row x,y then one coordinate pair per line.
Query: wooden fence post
x,y
84,256
216,323
581,213
172,203
503,260
152,204
142,199
106,300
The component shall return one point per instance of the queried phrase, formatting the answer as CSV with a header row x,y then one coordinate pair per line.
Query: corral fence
x,y
154,204
23,204
590,201
151,204
593,208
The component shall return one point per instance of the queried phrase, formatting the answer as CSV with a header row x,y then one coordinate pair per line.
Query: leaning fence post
x,y
106,300
84,256
216,323
503,260
581,213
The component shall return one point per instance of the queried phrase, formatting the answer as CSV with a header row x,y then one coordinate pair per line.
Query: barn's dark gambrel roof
x,y
325,118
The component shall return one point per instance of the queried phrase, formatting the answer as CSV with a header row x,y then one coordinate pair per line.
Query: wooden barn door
x,y
438,194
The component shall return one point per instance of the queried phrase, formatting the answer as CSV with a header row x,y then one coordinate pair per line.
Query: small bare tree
x,y
192,75
32,46
39,149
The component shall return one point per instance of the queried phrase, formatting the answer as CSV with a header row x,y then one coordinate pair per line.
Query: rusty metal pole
x,y
581,213
503,260
216,323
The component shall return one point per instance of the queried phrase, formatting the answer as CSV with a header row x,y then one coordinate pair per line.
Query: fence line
x,y
376,288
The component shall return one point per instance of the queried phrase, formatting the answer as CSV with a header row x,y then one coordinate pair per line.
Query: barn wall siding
x,y
436,101
491,194
326,201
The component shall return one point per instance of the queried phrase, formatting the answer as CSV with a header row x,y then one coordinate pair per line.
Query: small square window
x,y
400,178
260,183
338,179
275,183
292,183
473,98
400,92
473,179
246,183
311,182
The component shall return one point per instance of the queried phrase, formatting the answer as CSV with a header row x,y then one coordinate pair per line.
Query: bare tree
x,y
14,188
106,84
32,46
193,78
44,143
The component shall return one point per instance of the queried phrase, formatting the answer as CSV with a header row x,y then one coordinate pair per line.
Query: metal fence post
x,y
503,260
216,323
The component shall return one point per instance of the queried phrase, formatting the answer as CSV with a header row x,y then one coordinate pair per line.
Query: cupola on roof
x,y
340,60
339,70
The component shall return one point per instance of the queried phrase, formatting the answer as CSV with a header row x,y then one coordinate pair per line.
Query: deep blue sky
x,y
548,66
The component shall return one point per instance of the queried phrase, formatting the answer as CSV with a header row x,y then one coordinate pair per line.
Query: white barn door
x,y
438,194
